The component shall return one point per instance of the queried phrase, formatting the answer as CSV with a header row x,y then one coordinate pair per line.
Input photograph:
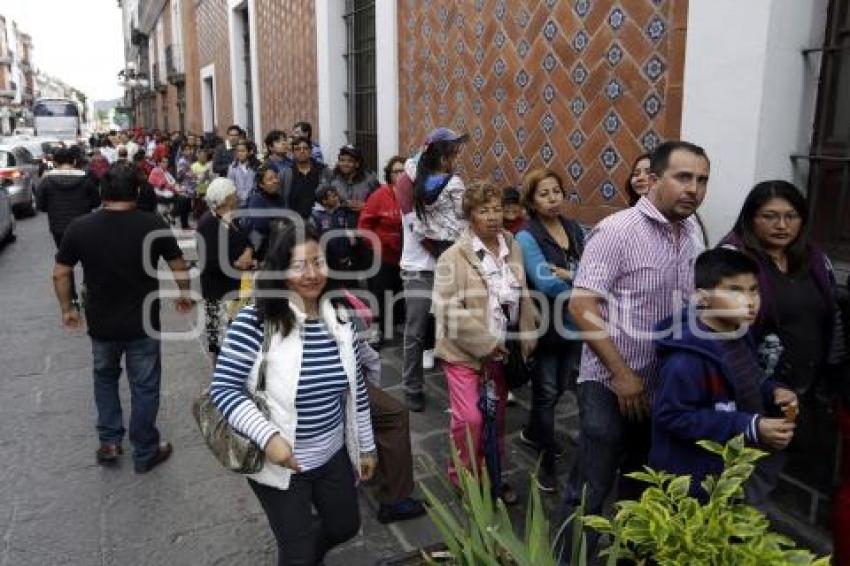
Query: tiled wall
x,y
580,86
286,52
214,47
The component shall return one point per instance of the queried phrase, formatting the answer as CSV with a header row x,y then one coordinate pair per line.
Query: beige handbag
x,y
234,451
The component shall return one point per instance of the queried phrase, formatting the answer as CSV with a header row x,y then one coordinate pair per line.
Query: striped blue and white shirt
x,y
319,401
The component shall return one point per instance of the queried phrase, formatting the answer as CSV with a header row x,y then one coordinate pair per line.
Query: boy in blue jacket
x,y
711,387
329,214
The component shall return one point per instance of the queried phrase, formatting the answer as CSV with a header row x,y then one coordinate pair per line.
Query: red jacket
x,y
382,215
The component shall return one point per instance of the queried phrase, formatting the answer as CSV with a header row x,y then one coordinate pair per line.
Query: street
x,y
58,507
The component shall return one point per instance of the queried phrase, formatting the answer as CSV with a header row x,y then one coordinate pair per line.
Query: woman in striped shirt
x,y
318,434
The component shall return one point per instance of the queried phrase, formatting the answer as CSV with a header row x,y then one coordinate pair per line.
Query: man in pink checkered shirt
x,y
636,270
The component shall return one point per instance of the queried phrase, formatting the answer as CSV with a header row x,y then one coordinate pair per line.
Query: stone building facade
x,y
579,86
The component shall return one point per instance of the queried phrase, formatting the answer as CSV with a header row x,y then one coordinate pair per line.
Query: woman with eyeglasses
x,y
798,330
381,215
317,439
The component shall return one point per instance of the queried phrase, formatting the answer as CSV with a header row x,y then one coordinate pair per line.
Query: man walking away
x,y
65,193
122,320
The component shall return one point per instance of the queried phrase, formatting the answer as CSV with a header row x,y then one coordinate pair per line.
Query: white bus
x,y
57,118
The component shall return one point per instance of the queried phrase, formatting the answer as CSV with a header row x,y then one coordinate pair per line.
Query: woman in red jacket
x,y
381,215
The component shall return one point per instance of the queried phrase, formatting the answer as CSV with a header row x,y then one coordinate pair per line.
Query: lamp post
x,y
130,79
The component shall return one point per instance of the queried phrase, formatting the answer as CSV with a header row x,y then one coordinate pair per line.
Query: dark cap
x,y
351,151
510,196
445,135
323,190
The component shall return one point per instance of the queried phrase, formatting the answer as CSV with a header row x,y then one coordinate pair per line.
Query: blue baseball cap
x,y
445,135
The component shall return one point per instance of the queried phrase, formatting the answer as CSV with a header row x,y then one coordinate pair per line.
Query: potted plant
x,y
481,531
667,526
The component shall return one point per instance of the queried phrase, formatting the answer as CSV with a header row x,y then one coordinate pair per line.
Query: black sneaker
x,y
407,508
415,402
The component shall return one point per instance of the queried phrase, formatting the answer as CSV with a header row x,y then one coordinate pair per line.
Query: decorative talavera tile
x,y
616,18
581,86
652,105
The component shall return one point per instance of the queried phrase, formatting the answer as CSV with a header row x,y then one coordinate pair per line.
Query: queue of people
x,y
488,279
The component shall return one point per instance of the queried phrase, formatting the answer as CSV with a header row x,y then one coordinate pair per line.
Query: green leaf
x,y
678,488
712,447
597,523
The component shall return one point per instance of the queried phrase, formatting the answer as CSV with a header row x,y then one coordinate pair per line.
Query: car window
x,y
6,159
35,150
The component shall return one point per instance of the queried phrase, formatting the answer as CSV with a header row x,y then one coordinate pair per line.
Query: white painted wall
x,y
237,69
209,104
331,75
749,94
386,61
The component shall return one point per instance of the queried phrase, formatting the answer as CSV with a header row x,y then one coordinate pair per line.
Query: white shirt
x,y
503,290
110,153
414,256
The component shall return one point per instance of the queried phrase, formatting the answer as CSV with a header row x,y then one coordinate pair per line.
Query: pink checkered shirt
x,y
644,272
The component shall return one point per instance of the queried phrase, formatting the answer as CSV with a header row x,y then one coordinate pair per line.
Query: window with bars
x,y
362,129
829,159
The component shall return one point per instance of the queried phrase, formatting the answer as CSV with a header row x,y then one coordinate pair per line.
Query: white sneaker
x,y
428,359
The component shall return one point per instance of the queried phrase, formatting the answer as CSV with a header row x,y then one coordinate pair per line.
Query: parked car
x,y
7,218
19,176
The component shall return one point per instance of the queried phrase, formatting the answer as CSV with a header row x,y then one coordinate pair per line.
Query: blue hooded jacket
x,y
695,401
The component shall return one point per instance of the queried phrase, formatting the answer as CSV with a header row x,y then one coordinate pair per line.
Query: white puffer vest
x,y
283,370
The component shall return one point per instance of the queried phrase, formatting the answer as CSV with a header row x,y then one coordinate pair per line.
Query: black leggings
x,y
303,538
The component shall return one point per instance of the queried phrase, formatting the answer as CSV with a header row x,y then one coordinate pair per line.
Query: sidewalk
x,y
58,507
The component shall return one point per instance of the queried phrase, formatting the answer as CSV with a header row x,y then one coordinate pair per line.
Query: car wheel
x,y
18,212
10,237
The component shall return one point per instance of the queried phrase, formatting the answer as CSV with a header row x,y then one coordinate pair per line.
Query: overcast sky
x,y
77,41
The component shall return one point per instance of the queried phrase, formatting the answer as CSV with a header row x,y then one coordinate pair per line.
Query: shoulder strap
x,y
268,331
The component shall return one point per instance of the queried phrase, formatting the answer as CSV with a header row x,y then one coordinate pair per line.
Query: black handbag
x,y
518,371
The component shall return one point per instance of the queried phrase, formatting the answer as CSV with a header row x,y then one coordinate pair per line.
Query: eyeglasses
x,y
300,267
775,217
301,148
397,171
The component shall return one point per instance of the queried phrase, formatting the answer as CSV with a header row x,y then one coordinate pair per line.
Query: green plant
x,y
482,532
669,527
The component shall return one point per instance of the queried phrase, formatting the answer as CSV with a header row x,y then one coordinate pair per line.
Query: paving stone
x,y
58,507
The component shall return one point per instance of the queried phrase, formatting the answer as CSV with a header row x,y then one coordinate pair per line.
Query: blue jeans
x,y
608,442
553,372
144,368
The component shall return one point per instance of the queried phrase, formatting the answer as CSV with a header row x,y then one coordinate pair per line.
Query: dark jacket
x,y
65,194
535,241
696,401
222,158
342,250
215,283
820,268
322,175
258,228
355,190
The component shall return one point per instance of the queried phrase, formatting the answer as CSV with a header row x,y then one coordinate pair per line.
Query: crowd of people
x,y
306,270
